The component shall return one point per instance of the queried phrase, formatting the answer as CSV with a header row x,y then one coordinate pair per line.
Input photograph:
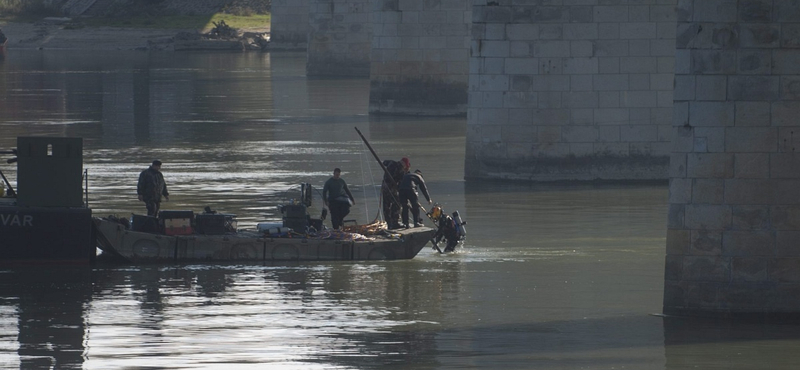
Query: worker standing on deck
x,y
408,196
151,187
337,198
390,190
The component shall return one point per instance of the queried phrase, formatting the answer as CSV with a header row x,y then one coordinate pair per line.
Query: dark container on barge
x,y
45,219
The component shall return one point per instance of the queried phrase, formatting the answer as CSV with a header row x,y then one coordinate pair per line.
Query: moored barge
x,y
46,219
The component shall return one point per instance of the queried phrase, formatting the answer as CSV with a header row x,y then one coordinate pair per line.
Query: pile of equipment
x,y
183,222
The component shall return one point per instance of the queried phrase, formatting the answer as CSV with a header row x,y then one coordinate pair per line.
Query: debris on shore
x,y
221,37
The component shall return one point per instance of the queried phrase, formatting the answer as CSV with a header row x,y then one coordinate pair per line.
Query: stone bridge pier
x,y
289,24
571,92
705,93
733,241
420,57
415,52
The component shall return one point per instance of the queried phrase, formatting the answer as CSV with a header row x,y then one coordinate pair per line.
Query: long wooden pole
x,y
11,191
385,170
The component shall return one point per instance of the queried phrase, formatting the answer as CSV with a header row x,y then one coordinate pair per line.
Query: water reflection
x,y
42,310
336,315
552,277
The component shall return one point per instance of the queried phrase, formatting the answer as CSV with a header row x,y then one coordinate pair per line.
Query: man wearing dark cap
x,y
408,196
151,187
389,190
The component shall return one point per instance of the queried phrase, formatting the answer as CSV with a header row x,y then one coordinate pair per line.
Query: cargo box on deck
x,y
215,223
176,222
143,223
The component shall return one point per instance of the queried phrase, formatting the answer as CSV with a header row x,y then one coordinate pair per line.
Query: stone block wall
x,y
340,38
290,24
420,57
733,241
571,90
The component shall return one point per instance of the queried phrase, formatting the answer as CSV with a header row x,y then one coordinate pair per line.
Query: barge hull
x,y
46,235
140,247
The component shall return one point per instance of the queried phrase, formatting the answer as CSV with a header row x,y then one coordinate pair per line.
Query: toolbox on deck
x,y
176,222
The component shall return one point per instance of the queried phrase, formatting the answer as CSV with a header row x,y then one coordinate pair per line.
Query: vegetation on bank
x,y
24,10
236,17
203,23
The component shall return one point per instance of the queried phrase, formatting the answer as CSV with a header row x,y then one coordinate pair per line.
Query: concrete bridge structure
x,y
415,52
705,93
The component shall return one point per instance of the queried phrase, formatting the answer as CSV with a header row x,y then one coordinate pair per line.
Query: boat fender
x,y
462,231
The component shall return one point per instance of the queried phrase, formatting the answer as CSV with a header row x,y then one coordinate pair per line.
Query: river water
x,y
550,277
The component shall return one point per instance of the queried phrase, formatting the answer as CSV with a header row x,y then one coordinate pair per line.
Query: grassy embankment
x,y
33,10
202,23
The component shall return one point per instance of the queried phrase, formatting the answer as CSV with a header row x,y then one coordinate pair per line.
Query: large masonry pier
x,y
733,242
420,57
571,92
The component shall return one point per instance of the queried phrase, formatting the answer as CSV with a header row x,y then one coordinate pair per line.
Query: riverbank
x,y
63,34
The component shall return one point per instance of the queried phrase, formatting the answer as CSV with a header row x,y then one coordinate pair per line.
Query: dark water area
x,y
550,276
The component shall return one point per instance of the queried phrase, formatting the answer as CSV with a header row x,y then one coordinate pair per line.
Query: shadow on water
x,y
692,343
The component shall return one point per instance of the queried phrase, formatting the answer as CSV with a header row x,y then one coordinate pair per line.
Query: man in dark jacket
x,y
389,190
151,187
408,195
337,198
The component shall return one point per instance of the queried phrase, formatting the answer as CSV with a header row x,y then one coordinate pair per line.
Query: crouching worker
x,y
337,198
445,229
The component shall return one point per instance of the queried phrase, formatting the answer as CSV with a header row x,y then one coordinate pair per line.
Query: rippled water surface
x,y
550,277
